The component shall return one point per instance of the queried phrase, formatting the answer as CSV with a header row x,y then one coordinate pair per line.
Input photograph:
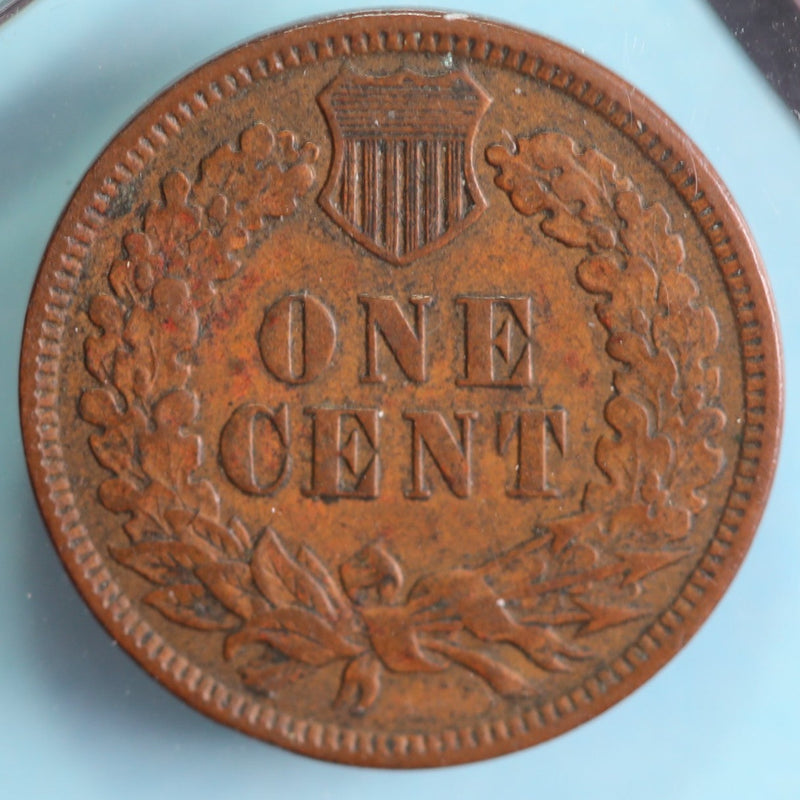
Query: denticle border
x,y
530,56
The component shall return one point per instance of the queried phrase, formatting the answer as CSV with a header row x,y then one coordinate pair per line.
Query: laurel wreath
x,y
286,613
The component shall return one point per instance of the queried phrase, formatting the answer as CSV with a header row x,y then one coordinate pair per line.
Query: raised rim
x,y
661,141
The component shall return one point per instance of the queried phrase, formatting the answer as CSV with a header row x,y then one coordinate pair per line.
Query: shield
x,y
402,181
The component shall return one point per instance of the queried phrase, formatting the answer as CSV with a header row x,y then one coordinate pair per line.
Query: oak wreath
x,y
578,574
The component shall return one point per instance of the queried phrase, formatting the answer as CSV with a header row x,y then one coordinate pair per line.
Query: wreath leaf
x,y
191,604
298,633
283,580
239,530
232,584
161,562
218,536
341,607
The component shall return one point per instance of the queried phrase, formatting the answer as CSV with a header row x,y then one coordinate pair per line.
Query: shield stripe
x,y
366,188
351,182
453,189
400,155
376,194
403,181
389,188
419,206
407,199
438,183
452,184
428,214
377,191
404,192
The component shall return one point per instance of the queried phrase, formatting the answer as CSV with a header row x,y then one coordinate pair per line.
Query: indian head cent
x,y
401,389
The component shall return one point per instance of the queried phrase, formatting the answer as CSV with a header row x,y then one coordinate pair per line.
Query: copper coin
x,y
401,389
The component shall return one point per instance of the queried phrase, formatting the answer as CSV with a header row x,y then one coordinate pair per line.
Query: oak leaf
x,y
218,536
297,633
232,584
169,455
284,581
100,350
146,505
631,457
191,604
172,223
647,232
161,562
263,178
575,188
239,530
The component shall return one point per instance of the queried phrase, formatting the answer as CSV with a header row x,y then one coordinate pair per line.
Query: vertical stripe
x,y
390,210
419,195
345,182
376,233
404,193
429,192
409,200
459,186
425,185
356,183
438,181
451,184
350,182
366,187
399,183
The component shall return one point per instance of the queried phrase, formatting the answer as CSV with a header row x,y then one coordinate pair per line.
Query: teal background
x,y
78,719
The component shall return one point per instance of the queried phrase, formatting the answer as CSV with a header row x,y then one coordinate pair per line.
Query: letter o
x,y
297,338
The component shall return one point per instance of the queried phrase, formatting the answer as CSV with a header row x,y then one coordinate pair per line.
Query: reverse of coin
x,y
401,389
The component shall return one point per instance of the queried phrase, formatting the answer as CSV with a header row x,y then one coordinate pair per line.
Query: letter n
x,y
452,455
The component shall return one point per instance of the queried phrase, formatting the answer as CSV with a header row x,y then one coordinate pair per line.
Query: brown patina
x,y
401,389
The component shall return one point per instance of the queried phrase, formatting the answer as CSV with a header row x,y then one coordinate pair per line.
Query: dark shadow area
x,y
769,30
11,7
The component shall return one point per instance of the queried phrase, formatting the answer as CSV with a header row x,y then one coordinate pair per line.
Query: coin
x,y
401,389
